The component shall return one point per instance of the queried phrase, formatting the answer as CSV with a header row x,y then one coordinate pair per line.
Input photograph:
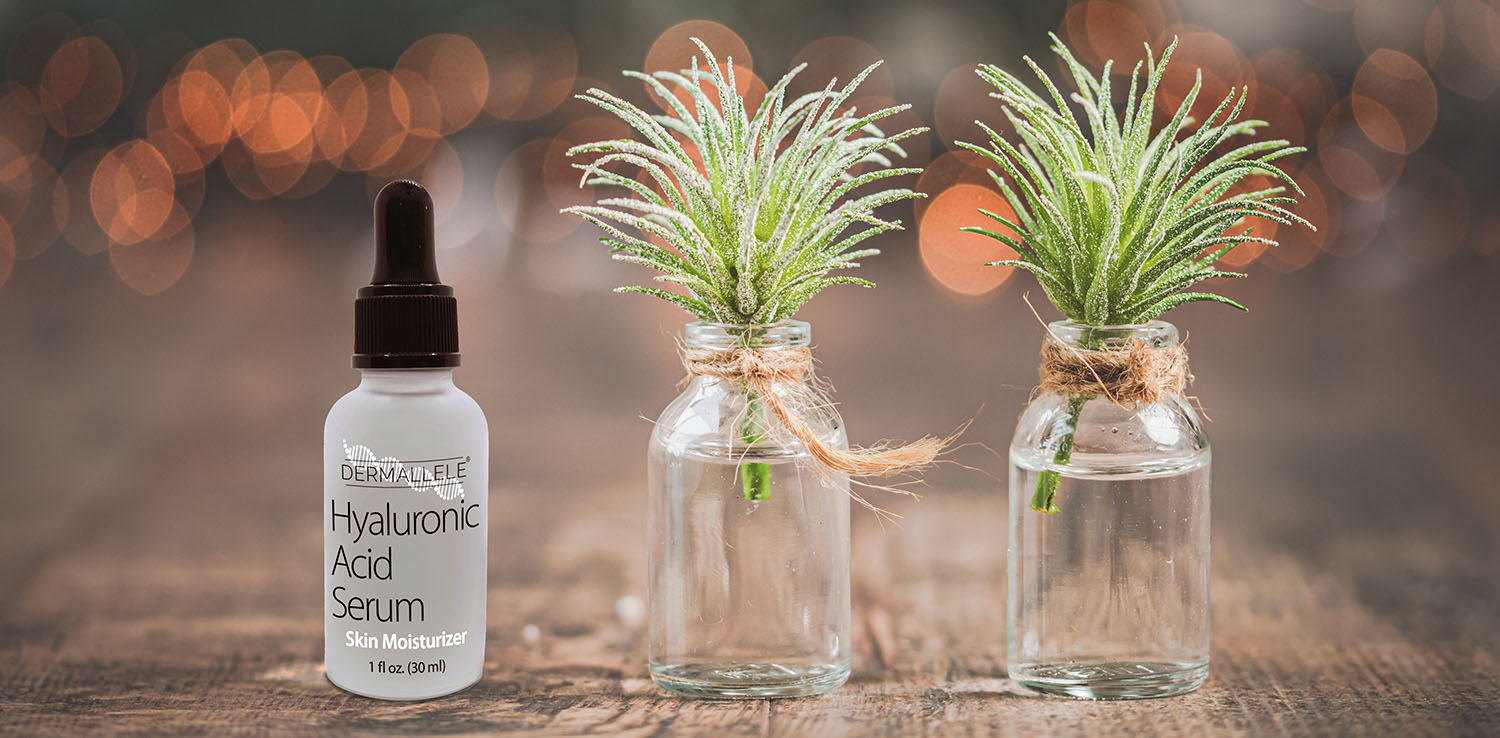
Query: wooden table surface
x,y
160,537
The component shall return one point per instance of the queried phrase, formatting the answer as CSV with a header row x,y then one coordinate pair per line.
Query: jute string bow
x,y
1140,374
760,369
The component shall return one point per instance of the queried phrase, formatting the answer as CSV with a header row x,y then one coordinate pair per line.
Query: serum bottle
x,y
405,485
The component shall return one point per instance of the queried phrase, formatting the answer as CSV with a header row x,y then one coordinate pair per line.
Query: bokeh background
x,y
184,218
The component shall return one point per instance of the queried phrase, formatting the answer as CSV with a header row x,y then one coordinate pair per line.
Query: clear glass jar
x,y
749,538
1108,596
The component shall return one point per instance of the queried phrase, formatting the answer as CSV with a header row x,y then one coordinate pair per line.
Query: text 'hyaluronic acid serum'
x,y
405,481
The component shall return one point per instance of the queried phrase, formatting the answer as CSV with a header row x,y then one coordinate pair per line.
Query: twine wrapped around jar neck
x,y
1138,374
759,369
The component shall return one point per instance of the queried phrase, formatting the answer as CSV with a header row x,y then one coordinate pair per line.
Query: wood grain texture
x,y
160,540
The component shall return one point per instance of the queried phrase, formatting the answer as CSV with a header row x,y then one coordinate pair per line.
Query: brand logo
x,y
444,477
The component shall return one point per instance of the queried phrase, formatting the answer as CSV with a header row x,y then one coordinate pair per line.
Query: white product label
x,y
404,566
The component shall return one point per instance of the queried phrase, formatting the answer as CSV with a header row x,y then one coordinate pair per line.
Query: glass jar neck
x,y
725,337
406,381
1155,334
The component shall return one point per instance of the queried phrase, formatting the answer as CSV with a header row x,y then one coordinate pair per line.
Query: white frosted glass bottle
x,y
405,488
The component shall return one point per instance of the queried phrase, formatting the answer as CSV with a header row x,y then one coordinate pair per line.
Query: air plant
x,y
1119,221
750,212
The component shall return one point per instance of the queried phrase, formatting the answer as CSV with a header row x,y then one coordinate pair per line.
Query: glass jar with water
x,y
748,537
1108,595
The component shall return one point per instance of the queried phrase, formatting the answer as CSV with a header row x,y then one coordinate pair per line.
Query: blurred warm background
x,y
184,192
184,218
130,136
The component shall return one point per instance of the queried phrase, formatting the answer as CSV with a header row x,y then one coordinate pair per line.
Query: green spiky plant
x,y
1119,221
755,223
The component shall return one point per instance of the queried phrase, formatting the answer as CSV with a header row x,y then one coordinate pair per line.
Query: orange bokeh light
x,y
275,102
957,259
223,60
455,69
178,218
1352,172
1100,30
262,176
22,129
132,192
953,168
1394,101
154,264
174,142
329,131
81,86
291,121
1223,66
280,171
841,58
674,50
349,102
1354,164
386,120
424,123
1462,46
197,108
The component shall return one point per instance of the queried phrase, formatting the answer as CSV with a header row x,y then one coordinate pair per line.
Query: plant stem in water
x,y
1045,497
755,476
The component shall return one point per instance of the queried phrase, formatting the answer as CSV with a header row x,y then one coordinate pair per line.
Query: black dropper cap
x,y
405,318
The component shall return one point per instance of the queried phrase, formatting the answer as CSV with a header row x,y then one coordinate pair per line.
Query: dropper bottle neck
x,y
406,381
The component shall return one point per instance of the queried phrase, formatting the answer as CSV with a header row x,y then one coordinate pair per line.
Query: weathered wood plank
x,y
162,635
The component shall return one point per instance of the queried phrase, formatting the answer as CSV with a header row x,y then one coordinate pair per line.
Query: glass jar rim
x,y
1155,333
728,336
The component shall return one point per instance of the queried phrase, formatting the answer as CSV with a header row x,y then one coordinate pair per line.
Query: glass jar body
x,y
748,540
1109,596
